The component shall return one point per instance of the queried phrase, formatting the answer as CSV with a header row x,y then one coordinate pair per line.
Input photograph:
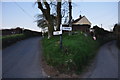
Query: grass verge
x,y
10,39
77,51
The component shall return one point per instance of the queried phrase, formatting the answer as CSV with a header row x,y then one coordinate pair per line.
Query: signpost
x,y
67,28
57,32
60,41
60,33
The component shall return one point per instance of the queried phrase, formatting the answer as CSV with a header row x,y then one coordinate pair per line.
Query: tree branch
x,y
46,4
40,6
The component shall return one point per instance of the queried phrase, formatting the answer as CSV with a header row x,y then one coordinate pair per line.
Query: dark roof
x,y
82,20
78,19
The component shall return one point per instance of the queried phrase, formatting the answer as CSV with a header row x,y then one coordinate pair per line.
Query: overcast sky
x,y
21,14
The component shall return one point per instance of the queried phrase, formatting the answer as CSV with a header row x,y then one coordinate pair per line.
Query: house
x,y
80,24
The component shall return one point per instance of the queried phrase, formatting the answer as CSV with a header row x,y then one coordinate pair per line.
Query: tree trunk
x,y
70,15
50,28
70,12
48,17
58,14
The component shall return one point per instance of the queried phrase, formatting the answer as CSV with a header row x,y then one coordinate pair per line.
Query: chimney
x,y
80,16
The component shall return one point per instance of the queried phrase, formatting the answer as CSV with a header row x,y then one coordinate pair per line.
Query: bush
x,y
105,39
30,33
76,53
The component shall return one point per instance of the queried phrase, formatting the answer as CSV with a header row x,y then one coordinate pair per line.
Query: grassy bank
x,y
10,39
104,40
77,51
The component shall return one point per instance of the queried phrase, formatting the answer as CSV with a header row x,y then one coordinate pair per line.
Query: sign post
x,y
60,37
59,33
67,28
60,41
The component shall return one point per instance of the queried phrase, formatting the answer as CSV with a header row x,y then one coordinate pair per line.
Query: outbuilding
x,y
80,24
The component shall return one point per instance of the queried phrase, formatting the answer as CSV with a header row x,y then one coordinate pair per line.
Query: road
x,y
22,59
0,64
105,64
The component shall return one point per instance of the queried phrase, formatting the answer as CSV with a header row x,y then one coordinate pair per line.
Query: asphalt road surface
x,y
0,64
22,60
106,62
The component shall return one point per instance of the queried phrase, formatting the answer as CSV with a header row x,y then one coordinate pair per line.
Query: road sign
x,y
61,27
67,28
57,32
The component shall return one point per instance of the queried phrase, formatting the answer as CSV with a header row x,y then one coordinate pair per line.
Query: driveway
x,y
23,59
106,62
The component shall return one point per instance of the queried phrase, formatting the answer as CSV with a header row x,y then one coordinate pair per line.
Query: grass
x,y
77,51
10,39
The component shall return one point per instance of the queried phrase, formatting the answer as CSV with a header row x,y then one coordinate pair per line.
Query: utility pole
x,y
70,14
101,25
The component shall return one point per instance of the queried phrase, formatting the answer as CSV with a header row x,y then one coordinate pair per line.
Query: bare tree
x,y
54,17
47,15
58,14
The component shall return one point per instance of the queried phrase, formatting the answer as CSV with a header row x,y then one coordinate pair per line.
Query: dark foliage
x,y
11,39
116,30
103,36
100,31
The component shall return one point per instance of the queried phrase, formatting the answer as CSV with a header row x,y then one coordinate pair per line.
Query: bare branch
x,y
40,6
46,4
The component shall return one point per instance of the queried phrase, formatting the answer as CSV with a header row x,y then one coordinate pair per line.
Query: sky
x,y
105,13
19,14
22,14
119,12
